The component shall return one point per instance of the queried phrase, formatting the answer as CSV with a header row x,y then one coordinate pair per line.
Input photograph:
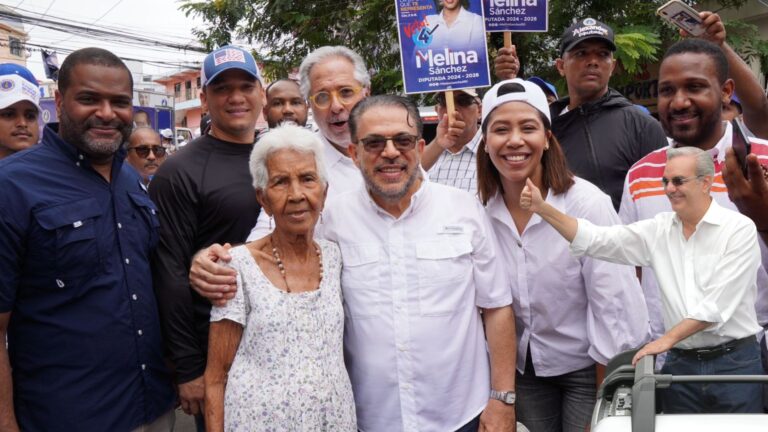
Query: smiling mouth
x,y
516,158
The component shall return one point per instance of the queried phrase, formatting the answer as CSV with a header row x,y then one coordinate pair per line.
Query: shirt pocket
x,y
73,226
360,281
444,268
145,213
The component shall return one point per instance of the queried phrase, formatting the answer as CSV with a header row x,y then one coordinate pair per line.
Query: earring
x,y
546,147
270,222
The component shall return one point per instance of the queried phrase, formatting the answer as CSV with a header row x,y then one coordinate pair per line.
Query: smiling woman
x,y
572,314
287,306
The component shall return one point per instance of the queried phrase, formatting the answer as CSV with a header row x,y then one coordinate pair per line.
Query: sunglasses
x,y
345,96
462,99
143,151
376,143
677,181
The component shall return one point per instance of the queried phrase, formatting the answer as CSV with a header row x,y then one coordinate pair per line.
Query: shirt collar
x,y
417,199
332,155
52,138
462,15
715,215
718,151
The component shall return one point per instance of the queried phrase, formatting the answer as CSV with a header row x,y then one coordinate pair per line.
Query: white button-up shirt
x,y
458,169
414,340
343,176
710,277
644,198
572,312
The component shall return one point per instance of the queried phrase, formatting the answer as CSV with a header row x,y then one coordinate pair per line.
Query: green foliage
x,y
284,31
747,42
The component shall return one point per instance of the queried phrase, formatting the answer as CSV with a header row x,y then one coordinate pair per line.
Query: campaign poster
x,y
516,15
442,45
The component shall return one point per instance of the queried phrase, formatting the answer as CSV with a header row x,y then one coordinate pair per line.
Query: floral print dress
x,y
288,373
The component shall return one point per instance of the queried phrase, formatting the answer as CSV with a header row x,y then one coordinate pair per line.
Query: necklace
x,y
281,266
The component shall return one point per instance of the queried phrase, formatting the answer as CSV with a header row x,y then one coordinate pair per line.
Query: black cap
x,y
588,28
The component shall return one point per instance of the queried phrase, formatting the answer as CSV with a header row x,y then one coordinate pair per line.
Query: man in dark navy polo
x,y
76,301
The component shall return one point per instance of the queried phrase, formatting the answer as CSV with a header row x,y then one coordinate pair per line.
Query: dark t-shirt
x,y
205,195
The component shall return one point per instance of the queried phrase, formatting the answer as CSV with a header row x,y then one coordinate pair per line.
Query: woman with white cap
x,y
572,314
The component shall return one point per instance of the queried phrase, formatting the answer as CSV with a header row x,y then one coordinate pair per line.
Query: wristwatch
x,y
508,397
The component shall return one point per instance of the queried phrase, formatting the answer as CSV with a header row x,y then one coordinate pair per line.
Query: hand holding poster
x,y
442,47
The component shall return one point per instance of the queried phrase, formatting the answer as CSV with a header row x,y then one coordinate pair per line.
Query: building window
x,y
15,46
177,90
198,82
188,90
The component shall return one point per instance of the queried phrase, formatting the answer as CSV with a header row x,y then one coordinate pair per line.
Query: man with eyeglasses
x,y
145,152
705,258
694,85
414,281
450,158
333,79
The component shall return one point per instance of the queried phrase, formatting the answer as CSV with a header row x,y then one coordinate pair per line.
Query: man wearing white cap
x,y
204,195
19,109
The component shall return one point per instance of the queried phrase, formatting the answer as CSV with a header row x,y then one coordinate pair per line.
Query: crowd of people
x,y
480,282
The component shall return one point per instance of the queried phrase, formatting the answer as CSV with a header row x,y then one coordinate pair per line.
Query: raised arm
x,y
532,200
752,95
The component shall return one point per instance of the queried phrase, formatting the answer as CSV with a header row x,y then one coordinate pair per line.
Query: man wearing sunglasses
x,y
145,152
450,158
705,258
694,84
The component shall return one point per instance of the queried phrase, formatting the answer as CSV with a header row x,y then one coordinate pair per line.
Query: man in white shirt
x,y
333,79
414,280
451,158
705,258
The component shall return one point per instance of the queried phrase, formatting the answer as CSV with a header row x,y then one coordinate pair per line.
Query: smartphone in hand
x,y
682,16
741,146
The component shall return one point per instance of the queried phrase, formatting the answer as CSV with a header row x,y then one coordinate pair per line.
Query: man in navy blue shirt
x,y
76,300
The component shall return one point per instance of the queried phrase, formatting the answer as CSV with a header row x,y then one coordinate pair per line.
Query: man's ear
x,y
352,150
727,90
560,65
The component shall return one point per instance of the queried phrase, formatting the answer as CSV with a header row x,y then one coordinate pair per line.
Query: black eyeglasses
x,y
143,151
376,143
677,181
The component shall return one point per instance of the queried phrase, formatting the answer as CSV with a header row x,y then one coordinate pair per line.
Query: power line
x,y
95,21
44,13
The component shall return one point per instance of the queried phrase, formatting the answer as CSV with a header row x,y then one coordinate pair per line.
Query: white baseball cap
x,y
531,94
16,87
166,133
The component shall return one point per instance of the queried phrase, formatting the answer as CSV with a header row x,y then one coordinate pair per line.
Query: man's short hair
x,y
704,164
323,53
89,56
139,129
701,46
391,101
288,80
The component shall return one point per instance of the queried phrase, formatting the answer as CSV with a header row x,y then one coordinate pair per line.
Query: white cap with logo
x,y
531,94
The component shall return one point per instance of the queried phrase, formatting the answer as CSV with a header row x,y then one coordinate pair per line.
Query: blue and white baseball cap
x,y
226,58
17,84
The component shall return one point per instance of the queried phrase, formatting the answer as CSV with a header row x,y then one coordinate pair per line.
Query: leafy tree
x,y
284,31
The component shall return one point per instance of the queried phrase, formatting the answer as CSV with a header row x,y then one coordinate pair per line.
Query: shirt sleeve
x,y
617,316
236,309
11,251
178,228
627,209
492,289
651,136
621,244
734,275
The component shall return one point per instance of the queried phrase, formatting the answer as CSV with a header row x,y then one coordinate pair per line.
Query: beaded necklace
x,y
281,266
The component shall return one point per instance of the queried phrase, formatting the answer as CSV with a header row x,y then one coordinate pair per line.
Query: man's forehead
x,y
232,75
144,136
282,88
386,119
688,66
24,105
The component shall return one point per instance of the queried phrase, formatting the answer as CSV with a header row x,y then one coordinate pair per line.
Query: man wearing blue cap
x,y
19,109
205,196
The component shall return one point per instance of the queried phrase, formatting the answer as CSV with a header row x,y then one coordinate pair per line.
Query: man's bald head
x,y
145,152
